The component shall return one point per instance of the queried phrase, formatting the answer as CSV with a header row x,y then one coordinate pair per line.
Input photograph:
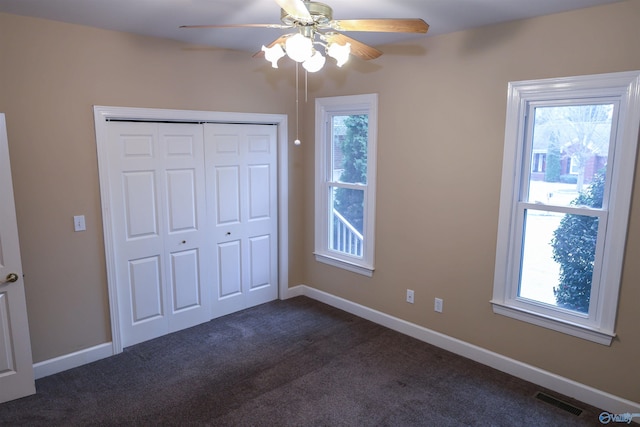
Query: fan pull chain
x,y
297,141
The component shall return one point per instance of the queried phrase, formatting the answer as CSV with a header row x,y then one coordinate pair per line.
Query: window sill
x,y
346,265
580,331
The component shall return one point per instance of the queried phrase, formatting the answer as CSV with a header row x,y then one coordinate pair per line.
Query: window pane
x,y
346,220
570,148
557,259
349,148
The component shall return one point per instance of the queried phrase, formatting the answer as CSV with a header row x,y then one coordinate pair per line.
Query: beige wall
x,y
441,131
51,76
441,134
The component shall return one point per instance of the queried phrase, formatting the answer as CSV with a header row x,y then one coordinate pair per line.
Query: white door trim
x,y
103,114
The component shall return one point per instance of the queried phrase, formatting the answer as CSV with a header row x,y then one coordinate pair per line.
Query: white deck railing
x,y
345,238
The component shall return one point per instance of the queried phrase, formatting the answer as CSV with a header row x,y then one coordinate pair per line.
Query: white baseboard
x,y
296,291
549,380
72,360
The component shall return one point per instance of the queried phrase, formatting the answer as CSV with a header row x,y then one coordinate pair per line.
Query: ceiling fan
x,y
315,28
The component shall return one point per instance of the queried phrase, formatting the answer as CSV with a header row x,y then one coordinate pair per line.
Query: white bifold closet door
x,y
194,223
160,228
241,168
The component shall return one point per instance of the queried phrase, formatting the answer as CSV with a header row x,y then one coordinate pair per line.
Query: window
x,y
346,128
574,166
538,162
561,233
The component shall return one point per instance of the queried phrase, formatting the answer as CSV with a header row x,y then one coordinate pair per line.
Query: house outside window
x,y
345,181
562,233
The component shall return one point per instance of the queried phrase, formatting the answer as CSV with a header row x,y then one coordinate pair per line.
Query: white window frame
x,y
624,89
326,108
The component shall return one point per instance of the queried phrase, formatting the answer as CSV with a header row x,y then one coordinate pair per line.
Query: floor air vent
x,y
558,403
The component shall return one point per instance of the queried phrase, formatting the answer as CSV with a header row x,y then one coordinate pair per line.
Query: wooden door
x,y
16,363
242,200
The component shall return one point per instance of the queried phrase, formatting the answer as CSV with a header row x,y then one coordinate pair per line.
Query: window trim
x,y
624,86
326,108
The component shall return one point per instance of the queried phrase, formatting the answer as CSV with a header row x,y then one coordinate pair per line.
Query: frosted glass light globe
x,y
315,63
299,48
339,52
273,54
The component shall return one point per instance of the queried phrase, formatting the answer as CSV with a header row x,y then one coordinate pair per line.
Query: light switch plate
x,y
78,223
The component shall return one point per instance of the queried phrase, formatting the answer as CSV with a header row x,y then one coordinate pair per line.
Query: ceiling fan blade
x,y
358,49
296,9
381,25
278,26
279,40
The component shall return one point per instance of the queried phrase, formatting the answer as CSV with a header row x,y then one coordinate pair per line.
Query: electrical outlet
x,y
409,296
437,305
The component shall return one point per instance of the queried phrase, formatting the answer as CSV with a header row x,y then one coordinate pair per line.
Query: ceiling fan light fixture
x,y
299,48
313,24
273,54
315,63
339,52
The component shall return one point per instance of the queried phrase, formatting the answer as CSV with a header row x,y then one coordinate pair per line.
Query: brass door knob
x,y
11,277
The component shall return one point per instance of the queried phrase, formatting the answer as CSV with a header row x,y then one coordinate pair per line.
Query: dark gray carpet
x,y
287,363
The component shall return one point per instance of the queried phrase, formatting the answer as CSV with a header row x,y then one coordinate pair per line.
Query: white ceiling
x,y
161,18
